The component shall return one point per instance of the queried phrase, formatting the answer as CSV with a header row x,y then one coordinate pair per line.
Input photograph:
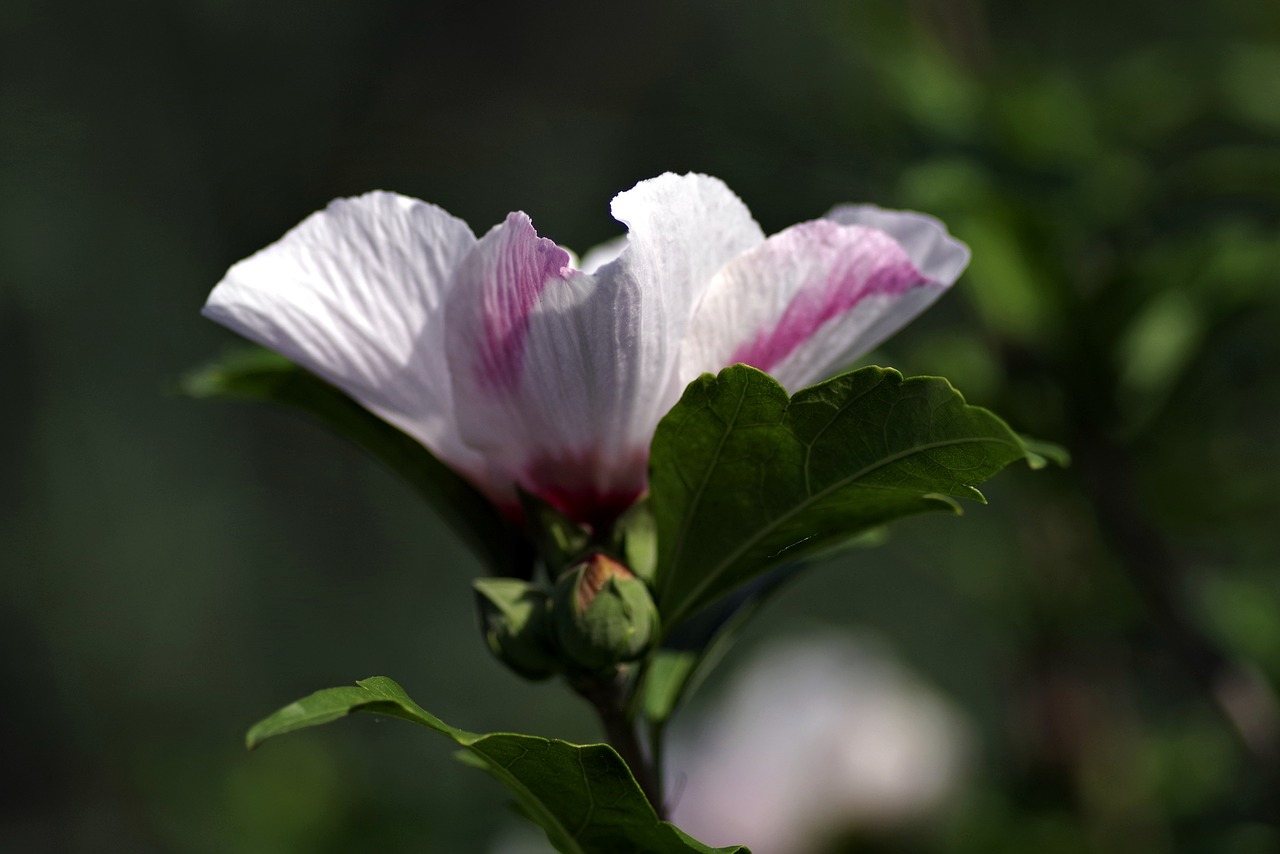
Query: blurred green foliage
x,y
174,569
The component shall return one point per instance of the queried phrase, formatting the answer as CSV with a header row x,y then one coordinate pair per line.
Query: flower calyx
x,y
559,540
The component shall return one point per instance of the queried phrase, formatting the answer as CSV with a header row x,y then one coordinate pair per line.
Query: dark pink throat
x,y
582,487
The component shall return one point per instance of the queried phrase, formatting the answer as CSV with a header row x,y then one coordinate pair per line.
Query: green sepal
x,y
560,541
583,796
258,374
515,619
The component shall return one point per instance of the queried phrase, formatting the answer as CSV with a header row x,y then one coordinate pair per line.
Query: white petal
x,y
602,253
937,254
560,377
681,230
806,302
354,294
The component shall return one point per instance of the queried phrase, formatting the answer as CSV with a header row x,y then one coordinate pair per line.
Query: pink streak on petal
x,y
567,481
516,274
817,302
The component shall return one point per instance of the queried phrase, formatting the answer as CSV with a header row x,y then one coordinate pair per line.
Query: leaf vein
x,y
715,458
713,576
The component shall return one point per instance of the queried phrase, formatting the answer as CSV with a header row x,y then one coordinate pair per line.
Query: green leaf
x,y
1041,453
693,647
257,374
675,670
583,796
743,479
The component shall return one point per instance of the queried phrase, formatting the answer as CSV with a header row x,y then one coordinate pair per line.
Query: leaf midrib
x,y
750,542
474,744
682,538
840,410
514,782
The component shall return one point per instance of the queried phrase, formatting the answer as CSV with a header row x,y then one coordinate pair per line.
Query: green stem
x,y
657,731
608,696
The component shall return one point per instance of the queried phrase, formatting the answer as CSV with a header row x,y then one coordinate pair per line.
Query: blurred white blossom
x,y
813,737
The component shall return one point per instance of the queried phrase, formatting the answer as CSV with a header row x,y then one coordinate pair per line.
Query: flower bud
x,y
603,614
514,619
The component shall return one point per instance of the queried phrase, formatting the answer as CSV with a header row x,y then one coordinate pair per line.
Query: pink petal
x,y
503,279
530,358
843,280
806,302
937,254
561,376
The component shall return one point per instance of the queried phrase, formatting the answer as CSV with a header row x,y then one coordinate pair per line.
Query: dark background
x,y
173,570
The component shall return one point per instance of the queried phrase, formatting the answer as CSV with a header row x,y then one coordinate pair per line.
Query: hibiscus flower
x,y
519,366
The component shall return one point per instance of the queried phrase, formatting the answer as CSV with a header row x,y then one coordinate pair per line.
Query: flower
x,y
816,736
516,366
